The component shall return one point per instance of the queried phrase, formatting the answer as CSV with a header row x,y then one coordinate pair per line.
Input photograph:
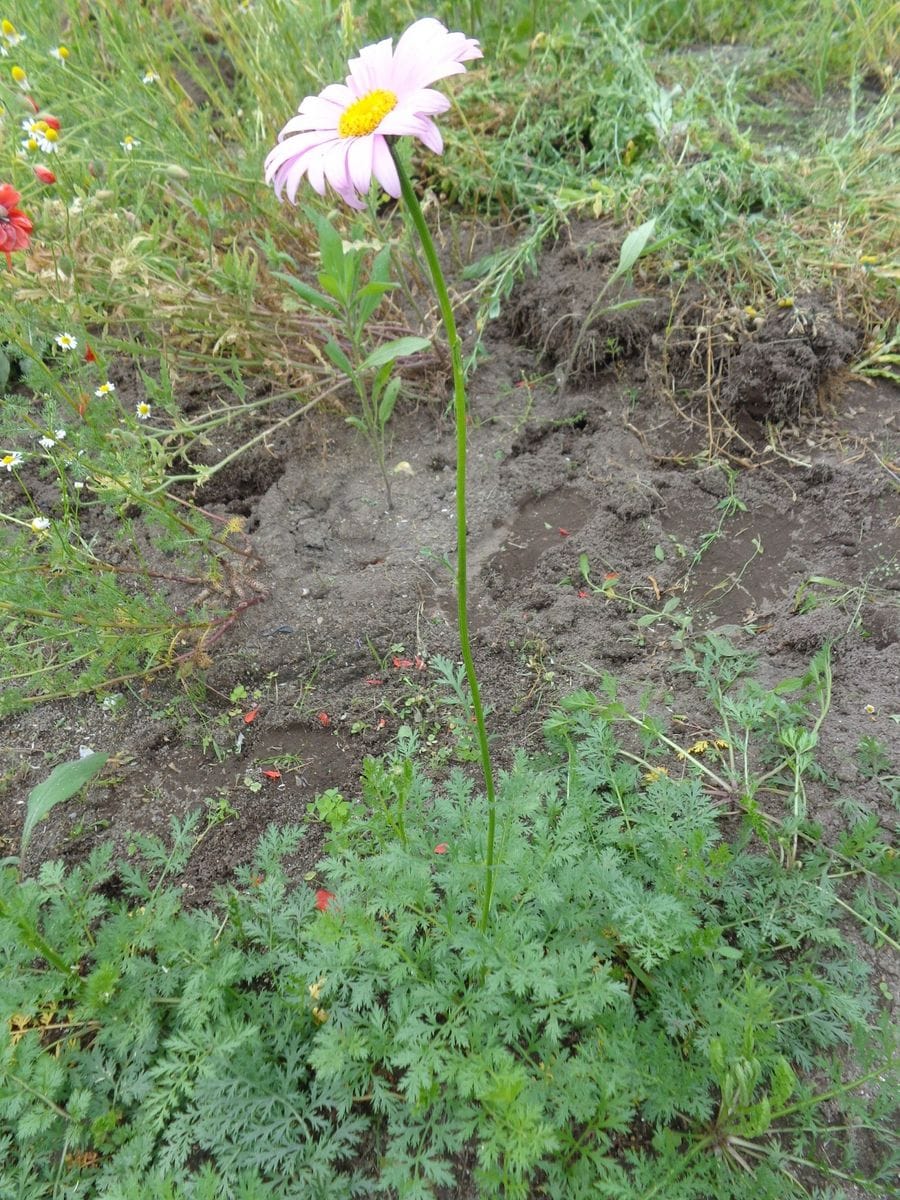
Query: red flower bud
x,y
53,122
44,175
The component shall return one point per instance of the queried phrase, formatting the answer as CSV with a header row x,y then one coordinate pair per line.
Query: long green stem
x,y
460,406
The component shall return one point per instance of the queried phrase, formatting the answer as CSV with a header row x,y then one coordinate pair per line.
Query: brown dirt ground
x,y
609,441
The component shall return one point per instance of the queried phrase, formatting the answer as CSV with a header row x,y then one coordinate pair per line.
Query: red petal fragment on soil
x,y
273,774
250,717
419,664
323,899
610,576
324,719
563,533
373,682
89,355
381,724
583,595
402,663
441,848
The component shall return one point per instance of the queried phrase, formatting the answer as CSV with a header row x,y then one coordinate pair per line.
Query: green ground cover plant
x,y
659,1008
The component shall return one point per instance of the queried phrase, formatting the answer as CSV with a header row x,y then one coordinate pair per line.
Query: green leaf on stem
x,y
62,783
307,293
390,351
339,358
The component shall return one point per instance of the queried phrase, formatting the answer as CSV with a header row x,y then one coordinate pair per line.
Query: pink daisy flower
x,y
340,136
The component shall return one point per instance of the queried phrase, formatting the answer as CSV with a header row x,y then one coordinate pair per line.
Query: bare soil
x,y
612,440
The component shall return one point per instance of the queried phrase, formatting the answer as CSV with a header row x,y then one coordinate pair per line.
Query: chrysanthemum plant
x,y
349,298
344,137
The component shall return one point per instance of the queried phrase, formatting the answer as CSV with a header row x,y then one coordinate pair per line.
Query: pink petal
x,y
335,163
337,93
383,167
359,162
294,175
326,118
426,52
350,198
371,69
315,173
399,124
425,101
430,135
292,148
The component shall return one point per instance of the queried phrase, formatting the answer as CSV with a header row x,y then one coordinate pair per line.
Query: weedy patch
x,y
672,1049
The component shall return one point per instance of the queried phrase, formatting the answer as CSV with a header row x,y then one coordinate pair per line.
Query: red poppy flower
x,y
441,848
89,355
44,175
15,227
323,899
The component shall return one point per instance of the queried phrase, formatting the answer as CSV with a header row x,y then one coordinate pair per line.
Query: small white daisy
x,y
105,388
10,34
49,140
142,408
59,434
128,143
78,485
65,341
150,77
19,77
40,524
47,442
30,145
60,53
11,461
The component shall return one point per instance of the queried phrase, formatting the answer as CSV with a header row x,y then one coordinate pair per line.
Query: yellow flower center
x,y
50,134
366,114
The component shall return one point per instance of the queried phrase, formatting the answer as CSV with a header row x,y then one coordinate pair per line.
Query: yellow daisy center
x,y
366,114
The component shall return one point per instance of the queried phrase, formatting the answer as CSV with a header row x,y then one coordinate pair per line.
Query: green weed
x,y
660,1008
